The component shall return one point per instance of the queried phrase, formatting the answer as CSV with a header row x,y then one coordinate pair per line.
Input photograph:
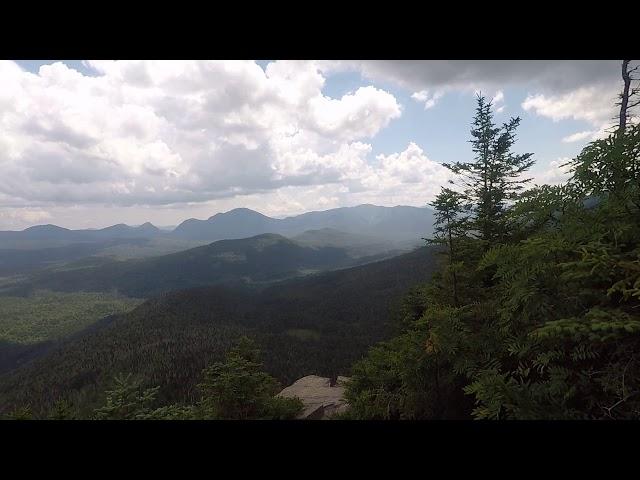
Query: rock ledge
x,y
320,399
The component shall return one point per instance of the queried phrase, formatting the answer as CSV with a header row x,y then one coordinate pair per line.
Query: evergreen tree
x,y
450,225
62,410
495,176
127,400
20,413
238,389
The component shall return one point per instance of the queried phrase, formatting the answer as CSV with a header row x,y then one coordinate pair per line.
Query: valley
x,y
319,324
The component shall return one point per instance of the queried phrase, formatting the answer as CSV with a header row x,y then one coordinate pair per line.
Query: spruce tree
x,y
450,224
494,179
127,400
238,389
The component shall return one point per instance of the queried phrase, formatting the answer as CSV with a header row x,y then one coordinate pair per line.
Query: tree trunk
x,y
624,99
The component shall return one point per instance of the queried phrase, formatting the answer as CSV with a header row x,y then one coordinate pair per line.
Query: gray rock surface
x,y
321,400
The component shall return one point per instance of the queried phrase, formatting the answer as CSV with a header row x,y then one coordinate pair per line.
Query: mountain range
x,y
53,232
398,224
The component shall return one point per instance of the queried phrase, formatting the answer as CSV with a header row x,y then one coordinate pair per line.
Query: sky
x,y
88,144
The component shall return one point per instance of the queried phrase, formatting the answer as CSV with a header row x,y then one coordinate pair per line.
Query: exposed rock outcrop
x,y
321,399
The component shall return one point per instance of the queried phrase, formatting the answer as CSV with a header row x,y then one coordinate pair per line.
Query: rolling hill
x,y
49,236
255,260
20,260
354,244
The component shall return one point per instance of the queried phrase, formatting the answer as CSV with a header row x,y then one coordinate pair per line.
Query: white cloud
x,y
593,104
555,174
421,96
576,137
168,132
409,177
562,89
429,100
211,135
498,101
358,115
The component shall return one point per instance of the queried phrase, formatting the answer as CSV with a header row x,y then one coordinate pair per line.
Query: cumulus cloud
x,y
159,135
498,101
578,89
409,177
429,100
165,132
578,136
593,104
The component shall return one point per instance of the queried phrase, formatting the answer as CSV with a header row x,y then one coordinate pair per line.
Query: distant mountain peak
x,y
238,212
148,226
47,226
117,226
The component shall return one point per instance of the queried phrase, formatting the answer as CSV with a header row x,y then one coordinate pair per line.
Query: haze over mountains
x,y
53,232
362,231
237,246
247,261
400,223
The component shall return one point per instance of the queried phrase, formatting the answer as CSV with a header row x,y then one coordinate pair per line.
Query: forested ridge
x,y
254,260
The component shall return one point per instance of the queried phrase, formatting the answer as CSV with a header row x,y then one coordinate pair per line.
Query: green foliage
x,y
127,400
62,410
237,389
406,378
451,225
611,166
555,329
495,176
169,340
50,315
20,413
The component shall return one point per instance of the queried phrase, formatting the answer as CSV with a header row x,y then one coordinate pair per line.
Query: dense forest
x,y
320,324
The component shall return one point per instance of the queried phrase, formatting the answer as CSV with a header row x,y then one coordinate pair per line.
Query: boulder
x,y
321,399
